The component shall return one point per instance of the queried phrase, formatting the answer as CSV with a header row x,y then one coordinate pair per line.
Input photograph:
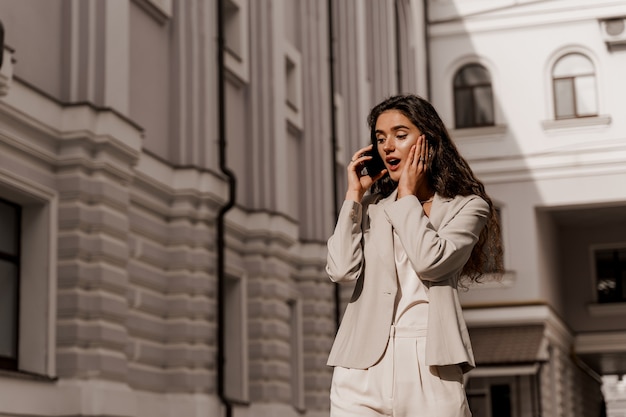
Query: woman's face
x,y
395,135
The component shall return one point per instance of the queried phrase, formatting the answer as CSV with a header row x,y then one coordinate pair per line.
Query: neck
x,y
425,194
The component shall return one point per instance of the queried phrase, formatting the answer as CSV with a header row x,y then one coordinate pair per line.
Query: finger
x,y
413,158
422,149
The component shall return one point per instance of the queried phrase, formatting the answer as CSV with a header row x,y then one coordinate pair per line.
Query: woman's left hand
x,y
414,173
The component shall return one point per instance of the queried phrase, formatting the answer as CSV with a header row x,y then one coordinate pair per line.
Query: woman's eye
x,y
403,136
380,140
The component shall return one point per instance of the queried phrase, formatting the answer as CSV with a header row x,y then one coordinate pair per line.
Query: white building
x,y
548,136
164,207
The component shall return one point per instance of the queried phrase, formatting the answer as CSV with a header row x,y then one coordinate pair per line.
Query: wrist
x,y
354,195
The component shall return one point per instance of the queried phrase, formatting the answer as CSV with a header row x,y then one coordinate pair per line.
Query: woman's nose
x,y
388,146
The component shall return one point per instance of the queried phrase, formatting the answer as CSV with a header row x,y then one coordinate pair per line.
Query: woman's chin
x,y
395,176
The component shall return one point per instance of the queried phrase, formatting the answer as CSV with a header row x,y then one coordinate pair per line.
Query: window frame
x,y
36,355
572,85
236,352
472,92
12,363
594,272
293,104
237,57
484,387
296,342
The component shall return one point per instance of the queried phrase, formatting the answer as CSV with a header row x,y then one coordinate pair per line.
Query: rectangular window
x,y
236,32
489,399
236,338
10,220
501,400
291,78
233,29
463,108
586,96
610,268
564,93
293,85
297,362
484,106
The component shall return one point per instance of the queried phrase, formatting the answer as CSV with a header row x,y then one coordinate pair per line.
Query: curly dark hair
x,y
449,175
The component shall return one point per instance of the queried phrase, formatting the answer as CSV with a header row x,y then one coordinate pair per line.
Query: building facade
x,y
170,171
533,94
167,186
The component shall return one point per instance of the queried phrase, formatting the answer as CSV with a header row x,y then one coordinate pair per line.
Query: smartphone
x,y
374,165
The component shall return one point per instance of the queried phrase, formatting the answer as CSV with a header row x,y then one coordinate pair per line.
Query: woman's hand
x,y
414,174
359,183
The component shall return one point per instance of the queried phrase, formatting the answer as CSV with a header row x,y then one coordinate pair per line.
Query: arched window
x,y
473,97
574,86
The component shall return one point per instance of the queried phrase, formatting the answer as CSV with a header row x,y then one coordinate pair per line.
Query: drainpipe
x,y
427,46
333,137
232,187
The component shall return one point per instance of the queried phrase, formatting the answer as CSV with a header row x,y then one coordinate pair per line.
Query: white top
x,y
412,298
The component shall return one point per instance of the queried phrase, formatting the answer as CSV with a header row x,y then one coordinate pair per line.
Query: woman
x,y
407,235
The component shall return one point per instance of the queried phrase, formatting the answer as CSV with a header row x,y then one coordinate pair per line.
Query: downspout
x,y
333,138
427,46
232,188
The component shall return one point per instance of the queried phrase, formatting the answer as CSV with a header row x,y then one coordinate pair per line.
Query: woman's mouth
x,y
392,163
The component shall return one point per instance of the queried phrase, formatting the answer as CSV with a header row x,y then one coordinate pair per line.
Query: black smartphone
x,y
374,165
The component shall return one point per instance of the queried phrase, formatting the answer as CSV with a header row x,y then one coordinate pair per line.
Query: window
x,y
236,30
473,97
28,276
10,220
610,268
487,399
236,342
574,87
297,363
293,86
232,29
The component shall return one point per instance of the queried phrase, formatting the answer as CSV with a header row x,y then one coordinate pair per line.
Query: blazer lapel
x,y
382,233
438,210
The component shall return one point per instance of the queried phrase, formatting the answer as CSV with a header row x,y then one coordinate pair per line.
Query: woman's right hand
x,y
359,183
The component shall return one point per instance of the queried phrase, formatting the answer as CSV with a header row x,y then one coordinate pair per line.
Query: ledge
x,y
596,121
606,309
485,132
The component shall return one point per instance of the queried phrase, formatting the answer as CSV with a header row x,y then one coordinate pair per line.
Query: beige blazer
x,y
361,249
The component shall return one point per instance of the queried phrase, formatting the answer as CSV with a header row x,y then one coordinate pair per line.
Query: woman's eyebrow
x,y
393,129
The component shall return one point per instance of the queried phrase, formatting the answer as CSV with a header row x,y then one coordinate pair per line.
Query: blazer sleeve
x,y
345,250
435,254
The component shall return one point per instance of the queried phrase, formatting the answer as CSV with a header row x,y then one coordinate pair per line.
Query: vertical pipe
x,y
333,137
427,44
221,253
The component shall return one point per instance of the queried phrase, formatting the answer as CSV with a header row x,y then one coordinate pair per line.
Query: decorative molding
x,y
576,124
159,10
480,133
600,342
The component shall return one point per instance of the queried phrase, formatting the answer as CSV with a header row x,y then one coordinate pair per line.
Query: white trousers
x,y
400,384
